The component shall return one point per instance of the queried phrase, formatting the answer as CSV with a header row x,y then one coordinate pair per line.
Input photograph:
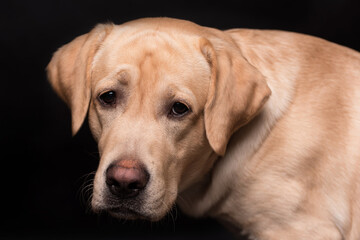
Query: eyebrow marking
x,y
123,77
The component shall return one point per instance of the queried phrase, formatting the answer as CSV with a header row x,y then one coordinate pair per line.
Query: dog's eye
x,y
179,109
108,98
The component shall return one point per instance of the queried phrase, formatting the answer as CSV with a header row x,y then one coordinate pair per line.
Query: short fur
x,y
271,143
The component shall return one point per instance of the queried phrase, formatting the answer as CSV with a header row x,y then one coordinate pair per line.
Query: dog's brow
x,y
182,92
123,77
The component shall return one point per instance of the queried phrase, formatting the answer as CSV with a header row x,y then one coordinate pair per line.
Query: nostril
x,y
134,186
110,181
126,178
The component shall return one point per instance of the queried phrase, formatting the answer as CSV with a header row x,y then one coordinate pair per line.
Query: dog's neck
x,y
214,189
210,196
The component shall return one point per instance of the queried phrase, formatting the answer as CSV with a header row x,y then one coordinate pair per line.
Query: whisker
x,y
173,218
172,211
184,201
86,189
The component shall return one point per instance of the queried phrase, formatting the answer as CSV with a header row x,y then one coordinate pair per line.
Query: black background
x,y
43,168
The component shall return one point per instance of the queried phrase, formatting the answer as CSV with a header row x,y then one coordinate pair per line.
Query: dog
x,y
259,129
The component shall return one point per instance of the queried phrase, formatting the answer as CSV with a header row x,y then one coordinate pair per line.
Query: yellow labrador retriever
x,y
259,129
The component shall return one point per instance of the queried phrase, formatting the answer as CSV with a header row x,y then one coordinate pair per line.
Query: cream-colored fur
x,y
270,146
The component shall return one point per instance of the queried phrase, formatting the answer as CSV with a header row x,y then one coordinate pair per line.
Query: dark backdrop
x,y
43,168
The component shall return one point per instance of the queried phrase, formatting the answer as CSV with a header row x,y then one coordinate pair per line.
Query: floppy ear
x,y
237,92
69,72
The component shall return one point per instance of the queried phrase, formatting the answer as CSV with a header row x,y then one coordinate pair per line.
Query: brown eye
x,y
108,98
179,109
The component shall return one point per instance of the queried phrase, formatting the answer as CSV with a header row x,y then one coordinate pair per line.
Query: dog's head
x,y
164,96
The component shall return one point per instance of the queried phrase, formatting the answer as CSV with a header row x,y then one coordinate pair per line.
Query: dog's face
x,y
148,97
163,101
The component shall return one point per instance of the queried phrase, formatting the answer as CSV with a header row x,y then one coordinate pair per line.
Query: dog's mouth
x,y
126,213
131,210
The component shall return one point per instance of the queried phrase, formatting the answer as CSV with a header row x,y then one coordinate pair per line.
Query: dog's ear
x,y
237,92
69,72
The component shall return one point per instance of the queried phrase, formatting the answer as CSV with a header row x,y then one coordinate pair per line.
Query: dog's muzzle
x,y
126,178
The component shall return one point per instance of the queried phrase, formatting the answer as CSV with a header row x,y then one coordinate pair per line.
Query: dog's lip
x,y
121,210
125,212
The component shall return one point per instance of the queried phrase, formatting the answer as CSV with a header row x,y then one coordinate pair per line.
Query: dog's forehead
x,y
131,45
155,54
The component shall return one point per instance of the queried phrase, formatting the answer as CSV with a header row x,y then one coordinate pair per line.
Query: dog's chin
x,y
130,212
126,213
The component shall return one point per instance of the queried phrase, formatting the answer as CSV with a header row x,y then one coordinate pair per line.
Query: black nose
x,y
126,178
